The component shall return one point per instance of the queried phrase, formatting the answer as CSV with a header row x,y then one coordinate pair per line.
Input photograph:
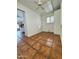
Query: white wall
x,y
32,20
47,27
57,22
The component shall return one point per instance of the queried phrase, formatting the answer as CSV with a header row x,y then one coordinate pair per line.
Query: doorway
x,y
20,24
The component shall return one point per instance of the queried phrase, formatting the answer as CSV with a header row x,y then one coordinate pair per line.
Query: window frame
x,y
50,19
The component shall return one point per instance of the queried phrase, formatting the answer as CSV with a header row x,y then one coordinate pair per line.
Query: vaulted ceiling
x,y
32,5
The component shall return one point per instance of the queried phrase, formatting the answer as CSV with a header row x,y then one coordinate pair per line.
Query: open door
x,y
20,24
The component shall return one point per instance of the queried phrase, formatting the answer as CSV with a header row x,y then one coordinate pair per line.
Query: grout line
x,y
34,49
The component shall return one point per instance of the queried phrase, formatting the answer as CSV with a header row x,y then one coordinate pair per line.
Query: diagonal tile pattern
x,y
43,45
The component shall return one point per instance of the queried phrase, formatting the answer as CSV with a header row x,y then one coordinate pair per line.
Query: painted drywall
x,y
45,26
32,20
57,22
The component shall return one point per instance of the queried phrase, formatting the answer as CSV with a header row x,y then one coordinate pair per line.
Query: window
x,y
20,15
50,19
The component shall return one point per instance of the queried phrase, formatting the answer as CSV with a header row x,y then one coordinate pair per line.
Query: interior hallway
x,y
44,45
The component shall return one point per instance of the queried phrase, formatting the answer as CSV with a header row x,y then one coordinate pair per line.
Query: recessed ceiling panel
x,y
46,4
48,7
